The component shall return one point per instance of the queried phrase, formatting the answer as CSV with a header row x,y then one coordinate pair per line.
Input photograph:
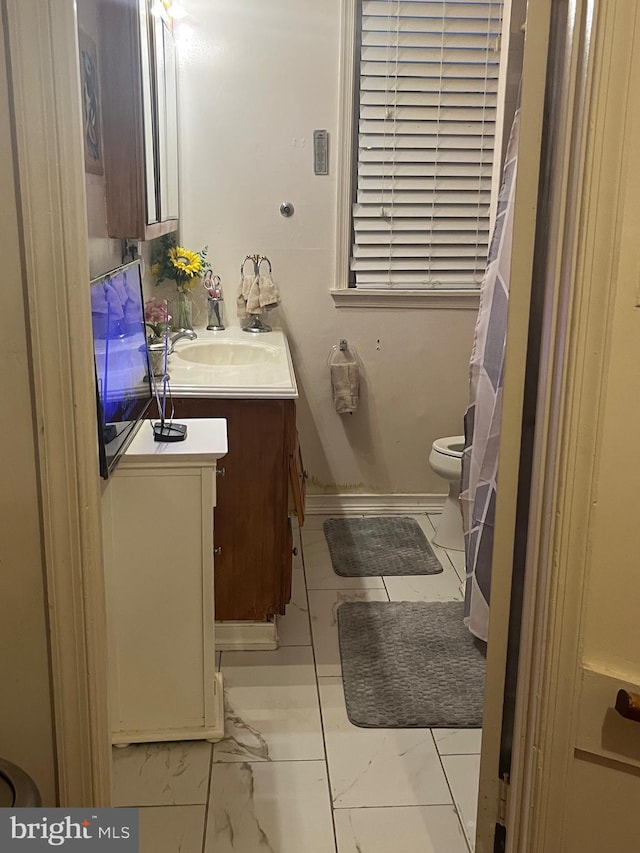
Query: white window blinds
x,y
428,80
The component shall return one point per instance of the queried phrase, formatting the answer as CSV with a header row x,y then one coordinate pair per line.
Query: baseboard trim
x,y
373,504
246,636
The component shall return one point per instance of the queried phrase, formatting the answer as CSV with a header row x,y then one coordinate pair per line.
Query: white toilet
x,y
446,460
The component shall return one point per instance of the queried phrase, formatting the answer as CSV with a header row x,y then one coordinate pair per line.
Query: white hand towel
x,y
241,302
247,284
253,300
345,379
269,295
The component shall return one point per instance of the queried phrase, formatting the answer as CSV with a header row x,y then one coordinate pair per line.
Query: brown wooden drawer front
x,y
253,568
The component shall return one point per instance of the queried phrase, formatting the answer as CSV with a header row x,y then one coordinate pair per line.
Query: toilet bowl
x,y
446,460
17,789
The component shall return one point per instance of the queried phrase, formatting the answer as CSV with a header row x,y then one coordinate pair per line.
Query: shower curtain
x,y
482,418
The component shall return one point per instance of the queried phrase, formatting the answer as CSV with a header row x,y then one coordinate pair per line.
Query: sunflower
x,y
170,262
188,264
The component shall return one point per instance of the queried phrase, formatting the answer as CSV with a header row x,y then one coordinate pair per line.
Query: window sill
x,y
449,299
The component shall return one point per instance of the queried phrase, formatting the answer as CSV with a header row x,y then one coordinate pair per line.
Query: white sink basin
x,y
225,352
233,363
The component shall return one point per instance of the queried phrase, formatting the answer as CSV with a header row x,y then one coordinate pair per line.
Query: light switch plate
x,y
320,152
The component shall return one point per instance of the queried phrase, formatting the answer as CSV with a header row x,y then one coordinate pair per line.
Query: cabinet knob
x,y
220,472
305,475
217,551
295,551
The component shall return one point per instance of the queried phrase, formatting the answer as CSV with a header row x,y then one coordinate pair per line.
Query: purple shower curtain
x,y
483,415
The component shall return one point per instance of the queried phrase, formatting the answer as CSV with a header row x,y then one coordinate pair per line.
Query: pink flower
x,y
156,311
156,315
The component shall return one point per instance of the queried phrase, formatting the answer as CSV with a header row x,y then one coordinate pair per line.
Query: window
x,y
424,105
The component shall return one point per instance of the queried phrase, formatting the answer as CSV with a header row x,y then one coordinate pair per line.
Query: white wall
x,y
255,80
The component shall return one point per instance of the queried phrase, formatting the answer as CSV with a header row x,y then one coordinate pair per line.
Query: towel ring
x,y
248,258
257,260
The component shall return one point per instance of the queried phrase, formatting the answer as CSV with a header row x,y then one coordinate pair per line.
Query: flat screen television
x,y
123,376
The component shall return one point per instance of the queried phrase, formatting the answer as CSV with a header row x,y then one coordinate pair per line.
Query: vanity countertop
x,y
205,443
233,364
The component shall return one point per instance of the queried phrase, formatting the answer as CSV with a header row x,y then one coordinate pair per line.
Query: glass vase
x,y
183,314
156,357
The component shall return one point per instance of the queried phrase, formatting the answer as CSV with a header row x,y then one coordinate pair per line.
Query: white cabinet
x,y
158,535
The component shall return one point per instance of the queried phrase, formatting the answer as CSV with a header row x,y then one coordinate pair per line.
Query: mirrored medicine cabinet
x,y
138,77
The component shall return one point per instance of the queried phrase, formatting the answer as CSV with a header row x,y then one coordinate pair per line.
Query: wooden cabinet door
x,y
251,516
253,553
298,481
285,573
134,44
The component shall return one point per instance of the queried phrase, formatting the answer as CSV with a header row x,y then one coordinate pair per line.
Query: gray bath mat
x,y
410,664
376,546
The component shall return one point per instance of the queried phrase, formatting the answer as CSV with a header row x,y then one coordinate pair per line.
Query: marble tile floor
x,y
293,775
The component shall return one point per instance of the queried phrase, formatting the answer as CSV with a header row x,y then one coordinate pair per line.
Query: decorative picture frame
x,y
90,93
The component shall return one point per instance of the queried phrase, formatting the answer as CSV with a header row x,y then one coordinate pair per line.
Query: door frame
x,y
532,98
581,237
46,126
602,151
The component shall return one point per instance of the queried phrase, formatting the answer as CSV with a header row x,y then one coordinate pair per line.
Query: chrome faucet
x,y
183,333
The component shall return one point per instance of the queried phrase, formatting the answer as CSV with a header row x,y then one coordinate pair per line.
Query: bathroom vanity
x,y
159,569
248,381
